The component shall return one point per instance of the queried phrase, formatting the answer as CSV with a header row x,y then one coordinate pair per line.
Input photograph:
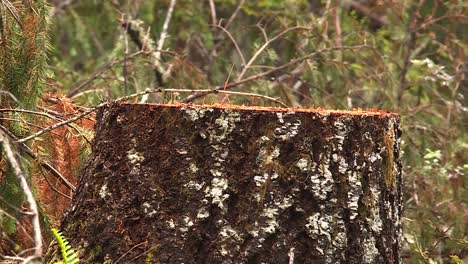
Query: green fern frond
x,y
68,254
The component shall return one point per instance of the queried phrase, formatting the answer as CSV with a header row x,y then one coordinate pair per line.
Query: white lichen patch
x,y
355,191
271,213
319,225
216,191
287,131
280,117
226,124
182,151
187,221
170,223
135,158
303,164
203,213
228,232
341,131
322,183
330,232
103,192
186,224
194,185
371,252
375,220
374,157
271,222
193,168
260,179
195,113
265,156
147,209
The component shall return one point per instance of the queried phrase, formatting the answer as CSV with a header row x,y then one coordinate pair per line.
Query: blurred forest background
x,y
61,58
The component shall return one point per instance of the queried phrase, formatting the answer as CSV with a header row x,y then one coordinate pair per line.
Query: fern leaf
x,y
68,254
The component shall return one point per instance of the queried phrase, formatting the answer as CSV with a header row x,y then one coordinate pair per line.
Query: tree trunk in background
x,y
191,184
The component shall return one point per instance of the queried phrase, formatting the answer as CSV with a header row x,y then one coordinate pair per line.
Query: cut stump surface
x,y
198,184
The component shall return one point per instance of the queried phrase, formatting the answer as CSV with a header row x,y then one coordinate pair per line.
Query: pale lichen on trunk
x,y
198,184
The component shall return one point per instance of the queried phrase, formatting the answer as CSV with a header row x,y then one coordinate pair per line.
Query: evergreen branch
x,y
12,10
43,164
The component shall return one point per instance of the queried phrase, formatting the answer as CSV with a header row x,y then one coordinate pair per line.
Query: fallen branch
x,y
147,91
15,165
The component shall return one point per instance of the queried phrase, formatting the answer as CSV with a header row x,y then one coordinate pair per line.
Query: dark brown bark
x,y
190,184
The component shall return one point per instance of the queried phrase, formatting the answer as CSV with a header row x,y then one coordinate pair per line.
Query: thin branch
x,y
276,69
364,10
10,155
9,94
165,27
128,251
214,20
53,187
56,125
228,23
87,92
234,14
45,115
162,38
264,46
125,62
241,55
435,20
410,46
101,71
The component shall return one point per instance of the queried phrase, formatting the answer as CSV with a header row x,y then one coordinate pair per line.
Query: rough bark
x,y
191,184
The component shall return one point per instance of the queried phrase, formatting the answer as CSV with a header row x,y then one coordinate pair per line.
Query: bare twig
x,y
165,27
10,155
336,17
125,62
214,91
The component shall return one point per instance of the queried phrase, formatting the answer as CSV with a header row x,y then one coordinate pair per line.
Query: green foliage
x,y
414,64
69,255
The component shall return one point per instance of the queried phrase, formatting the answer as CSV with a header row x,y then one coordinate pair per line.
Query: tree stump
x,y
225,184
